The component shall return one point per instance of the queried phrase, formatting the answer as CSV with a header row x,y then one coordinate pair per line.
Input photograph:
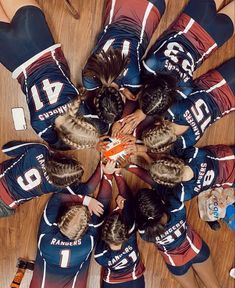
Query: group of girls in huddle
x,y
155,100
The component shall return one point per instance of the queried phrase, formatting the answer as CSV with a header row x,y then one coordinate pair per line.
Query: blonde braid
x,y
160,138
63,171
74,223
167,170
76,130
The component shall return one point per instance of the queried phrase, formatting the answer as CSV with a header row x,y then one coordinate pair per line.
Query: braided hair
x,y
150,208
107,67
75,130
109,104
157,95
160,137
74,222
167,170
114,231
63,171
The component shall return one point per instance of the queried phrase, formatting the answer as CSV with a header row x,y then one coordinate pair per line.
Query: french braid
x,y
150,209
167,170
76,130
63,171
114,231
157,95
74,223
159,138
109,104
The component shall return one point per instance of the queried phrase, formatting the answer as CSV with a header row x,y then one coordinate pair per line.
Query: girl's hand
x,y
120,201
95,207
131,121
128,139
116,129
101,145
109,167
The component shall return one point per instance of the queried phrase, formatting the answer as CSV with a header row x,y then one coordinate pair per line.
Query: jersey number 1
x,y
52,91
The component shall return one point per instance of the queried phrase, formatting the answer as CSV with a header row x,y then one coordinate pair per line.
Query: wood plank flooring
x,y
18,233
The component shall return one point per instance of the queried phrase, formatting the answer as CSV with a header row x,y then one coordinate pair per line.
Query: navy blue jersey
x,y
24,177
125,264
128,26
121,265
44,79
178,244
213,166
212,98
187,43
60,261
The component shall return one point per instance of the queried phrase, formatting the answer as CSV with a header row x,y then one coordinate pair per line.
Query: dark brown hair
x,y
114,230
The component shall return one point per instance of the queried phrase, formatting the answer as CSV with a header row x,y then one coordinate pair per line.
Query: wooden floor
x,y
18,233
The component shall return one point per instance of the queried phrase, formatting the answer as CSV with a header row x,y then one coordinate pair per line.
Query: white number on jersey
x,y
173,48
31,179
52,91
208,178
64,258
201,113
124,262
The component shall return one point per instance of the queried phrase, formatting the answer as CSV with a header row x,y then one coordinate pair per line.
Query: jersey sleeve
x,y
147,122
101,253
90,83
129,108
104,196
128,210
56,203
142,174
15,148
89,186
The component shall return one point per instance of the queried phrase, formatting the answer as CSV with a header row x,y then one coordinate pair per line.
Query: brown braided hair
x,y
160,137
150,208
106,68
114,231
157,95
75,130
63,171
74,222
167,170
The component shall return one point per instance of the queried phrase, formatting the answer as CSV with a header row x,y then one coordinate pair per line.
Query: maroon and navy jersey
x,y
178,244
122,265
213,166
128,26
180,51
44,79
61,262
24,177
212,98
125,264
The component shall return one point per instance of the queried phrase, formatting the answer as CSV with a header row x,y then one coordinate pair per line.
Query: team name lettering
x,y
170,67
118,257
55,241
59,110
188,117
200,177
41,161
171,234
